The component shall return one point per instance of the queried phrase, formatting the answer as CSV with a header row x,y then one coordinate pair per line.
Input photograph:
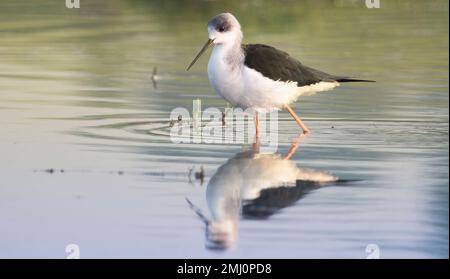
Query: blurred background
x,y
85,153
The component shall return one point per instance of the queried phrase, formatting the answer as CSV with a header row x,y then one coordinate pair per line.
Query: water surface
x,y
86,156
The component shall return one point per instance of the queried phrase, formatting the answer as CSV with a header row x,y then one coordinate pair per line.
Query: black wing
x,y
278,65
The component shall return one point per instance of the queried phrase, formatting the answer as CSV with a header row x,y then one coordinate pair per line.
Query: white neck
x,y
231,53
225,68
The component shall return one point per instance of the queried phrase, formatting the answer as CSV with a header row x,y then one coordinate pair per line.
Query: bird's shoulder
x,y
279,65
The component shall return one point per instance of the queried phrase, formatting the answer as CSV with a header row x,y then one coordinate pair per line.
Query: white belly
x,y
246,88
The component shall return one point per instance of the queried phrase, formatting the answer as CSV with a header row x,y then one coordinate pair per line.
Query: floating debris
x,y
190,175
52,170
155,77
223,118
172,121
198,175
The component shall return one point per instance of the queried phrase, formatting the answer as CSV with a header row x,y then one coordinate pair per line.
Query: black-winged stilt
x,y
258,76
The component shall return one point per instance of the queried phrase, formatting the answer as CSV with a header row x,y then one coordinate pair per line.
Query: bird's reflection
x,y
254,185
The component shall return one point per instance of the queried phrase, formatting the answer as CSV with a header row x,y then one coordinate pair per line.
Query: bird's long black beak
x,y
204,48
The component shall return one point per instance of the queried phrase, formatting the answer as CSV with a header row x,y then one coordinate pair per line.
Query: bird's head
x,y
223,29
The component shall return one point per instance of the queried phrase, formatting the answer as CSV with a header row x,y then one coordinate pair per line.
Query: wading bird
x,y
257,76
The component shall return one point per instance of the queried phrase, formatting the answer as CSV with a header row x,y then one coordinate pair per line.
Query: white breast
x,y
225,79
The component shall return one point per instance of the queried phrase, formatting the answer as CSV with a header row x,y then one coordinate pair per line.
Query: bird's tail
x,y
345,79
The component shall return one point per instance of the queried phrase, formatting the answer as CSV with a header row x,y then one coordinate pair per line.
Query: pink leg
x,y
298,120
291,151
256,143
257,124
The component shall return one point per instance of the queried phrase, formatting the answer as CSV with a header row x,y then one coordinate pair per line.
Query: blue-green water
x,y
76,98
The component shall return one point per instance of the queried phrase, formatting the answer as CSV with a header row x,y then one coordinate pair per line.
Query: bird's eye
x,y
221,29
